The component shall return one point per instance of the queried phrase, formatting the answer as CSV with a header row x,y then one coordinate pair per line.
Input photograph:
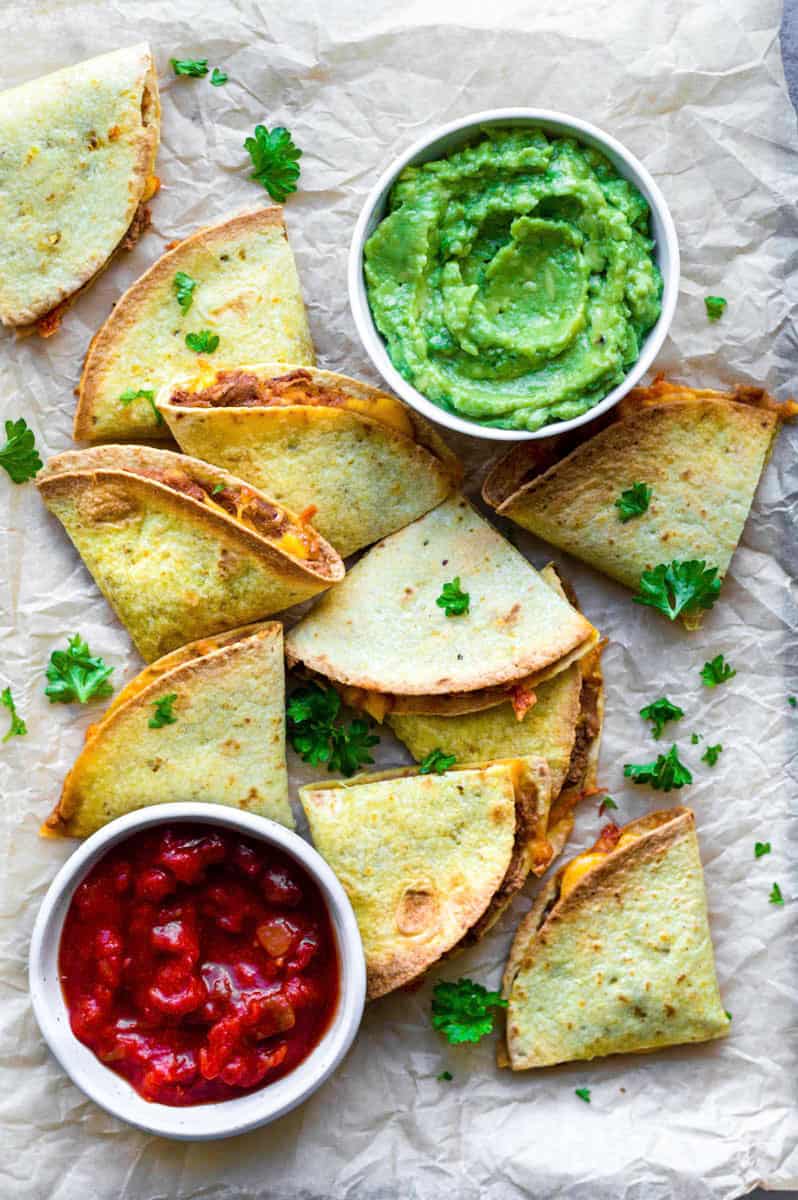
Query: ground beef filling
x,y
241,389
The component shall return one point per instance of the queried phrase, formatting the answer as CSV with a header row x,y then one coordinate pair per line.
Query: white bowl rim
x,y
198,1122
668,254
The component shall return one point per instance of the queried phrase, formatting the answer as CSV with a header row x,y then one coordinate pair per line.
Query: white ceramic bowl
x,y
443,141
199,1122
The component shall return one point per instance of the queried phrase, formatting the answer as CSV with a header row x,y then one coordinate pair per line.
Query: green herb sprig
x,y
715,306
667,773
17,728
19,456
202,342
717,671
453,600
319,737
659,712
184,290
275,159
163,714
75,674
633,502
195,67
436,761
147,394
463,1011
679,587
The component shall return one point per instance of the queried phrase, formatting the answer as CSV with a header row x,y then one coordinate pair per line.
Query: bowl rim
x,y
218,1119
423,150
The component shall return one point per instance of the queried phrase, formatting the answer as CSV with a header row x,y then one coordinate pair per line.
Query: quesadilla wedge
x,y
79,150
180,549
701,454
616,954
365,463
239,286
429,862
225,743
384,640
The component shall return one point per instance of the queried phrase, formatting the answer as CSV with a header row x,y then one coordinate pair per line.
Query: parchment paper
x,y
697,91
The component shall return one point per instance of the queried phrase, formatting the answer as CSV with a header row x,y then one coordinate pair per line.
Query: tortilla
x,y
365,463
181,549
623,961
429,862
700,452
382,640
226,746
247,293
79,150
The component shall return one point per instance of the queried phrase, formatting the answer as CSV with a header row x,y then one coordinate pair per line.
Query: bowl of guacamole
x,y
514,274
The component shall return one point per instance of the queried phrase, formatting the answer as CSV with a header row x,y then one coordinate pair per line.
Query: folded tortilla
x,y
363,462
616,955
226,745
701,453
180,549
78,154
429,862
383,642
246,293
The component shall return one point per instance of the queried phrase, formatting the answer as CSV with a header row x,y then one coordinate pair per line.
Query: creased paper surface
x,y
697,92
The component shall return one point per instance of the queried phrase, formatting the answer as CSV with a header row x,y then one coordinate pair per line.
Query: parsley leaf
x,y
606,804
184,290
17,727
659,712
203,342
436,761
318,737
147,394
217,488
274,157
663,775
218,77
695,738
633,502
446,1076
775,896
462,1011
19,457
717,671
74,674
583,1094
715,306
163,712
761,848
792,701
728,1014
712,754
452,600
679,587
196,67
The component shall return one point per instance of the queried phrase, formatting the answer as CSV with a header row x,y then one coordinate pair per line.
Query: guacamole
x,y
514,280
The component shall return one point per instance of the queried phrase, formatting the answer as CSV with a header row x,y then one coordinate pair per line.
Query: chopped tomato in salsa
x,y
198,964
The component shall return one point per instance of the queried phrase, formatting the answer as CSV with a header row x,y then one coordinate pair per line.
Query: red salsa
x,y
198,964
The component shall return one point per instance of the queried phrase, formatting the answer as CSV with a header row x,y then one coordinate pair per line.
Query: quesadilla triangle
x,y
180,549
616,954
700,453
224,745
77,165
386,643
429,862
233,284
357,456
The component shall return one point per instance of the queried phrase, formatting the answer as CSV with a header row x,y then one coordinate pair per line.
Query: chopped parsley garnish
x,y
659,712
184,290
203,342
218,77
274,157
712,754
453,600
728,1014
196,67
446,1076
147,394
19,456
462,1011
792,701
715,306
583,1094
695,738
775,896
318,737
717,671
606,804
436,761
633,502
17,728
664,774
75,674
761,848
163,714
218,487
679,587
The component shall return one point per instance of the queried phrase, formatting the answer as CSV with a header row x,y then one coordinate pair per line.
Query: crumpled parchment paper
x,y
697,92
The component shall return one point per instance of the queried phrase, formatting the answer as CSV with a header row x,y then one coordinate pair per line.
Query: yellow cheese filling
x,y
583,863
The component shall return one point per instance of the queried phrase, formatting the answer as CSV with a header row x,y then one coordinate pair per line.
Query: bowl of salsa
x,y
198,972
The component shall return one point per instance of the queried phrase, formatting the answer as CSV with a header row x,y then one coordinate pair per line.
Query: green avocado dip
x,y
514,280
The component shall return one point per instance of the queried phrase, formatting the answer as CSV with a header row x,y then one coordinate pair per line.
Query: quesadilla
x,y
700,453
429,862
364,463
616,955
181,549
224,743
231,289
76,169
385,640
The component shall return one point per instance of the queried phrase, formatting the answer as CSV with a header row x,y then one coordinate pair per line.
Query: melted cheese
x,y
584,863
292,543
